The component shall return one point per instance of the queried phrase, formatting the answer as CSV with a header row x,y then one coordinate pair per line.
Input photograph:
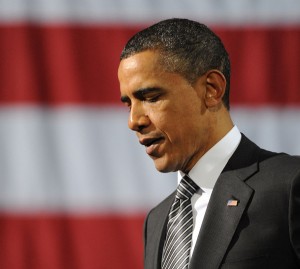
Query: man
x,y
236,205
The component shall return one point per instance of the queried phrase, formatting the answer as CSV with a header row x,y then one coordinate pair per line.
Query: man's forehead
x,y
142,62
144,57
130,62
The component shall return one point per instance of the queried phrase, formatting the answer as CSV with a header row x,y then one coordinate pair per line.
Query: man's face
x,y
167,113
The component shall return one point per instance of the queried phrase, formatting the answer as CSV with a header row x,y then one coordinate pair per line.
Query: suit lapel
x,y
220,221
157,232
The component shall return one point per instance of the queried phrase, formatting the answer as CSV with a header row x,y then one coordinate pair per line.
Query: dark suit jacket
x,y
263,231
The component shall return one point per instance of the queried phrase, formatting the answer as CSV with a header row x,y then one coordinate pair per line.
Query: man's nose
x,y
138,118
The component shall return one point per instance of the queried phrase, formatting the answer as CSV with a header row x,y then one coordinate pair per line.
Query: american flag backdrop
x,y
74,183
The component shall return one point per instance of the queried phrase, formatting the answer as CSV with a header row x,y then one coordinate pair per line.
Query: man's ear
x,y
215,88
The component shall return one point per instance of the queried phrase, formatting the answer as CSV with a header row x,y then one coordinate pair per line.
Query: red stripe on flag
x,y
69,64
59,242
265,65
60,64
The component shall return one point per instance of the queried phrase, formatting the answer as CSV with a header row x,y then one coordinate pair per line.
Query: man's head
x,y
186,47
174,85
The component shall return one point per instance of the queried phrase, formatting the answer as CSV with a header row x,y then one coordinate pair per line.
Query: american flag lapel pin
x,y
232,202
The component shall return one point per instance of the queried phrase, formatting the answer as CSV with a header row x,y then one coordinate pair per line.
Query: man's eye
x,y
152,99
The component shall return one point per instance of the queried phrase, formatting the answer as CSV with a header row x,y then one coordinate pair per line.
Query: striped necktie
x,y
176,251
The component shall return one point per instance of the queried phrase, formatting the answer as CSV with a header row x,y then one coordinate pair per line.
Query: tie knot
x,y
186,188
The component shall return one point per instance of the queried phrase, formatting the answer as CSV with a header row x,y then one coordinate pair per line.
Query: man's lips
x,y
151,145
147,142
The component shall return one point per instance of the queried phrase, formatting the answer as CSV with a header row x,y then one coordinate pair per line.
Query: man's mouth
x,y
151,144
147,142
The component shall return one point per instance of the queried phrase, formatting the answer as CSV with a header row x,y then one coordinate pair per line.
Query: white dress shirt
x,y
205,174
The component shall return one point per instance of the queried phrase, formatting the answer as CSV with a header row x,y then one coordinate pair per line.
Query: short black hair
x,y
187,47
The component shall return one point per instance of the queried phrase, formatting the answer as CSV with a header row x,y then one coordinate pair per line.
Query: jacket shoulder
x,y
282,161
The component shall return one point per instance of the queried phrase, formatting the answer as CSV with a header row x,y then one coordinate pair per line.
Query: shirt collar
x,y
207,170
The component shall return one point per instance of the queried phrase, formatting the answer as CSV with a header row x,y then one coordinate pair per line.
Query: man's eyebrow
x,y
140,93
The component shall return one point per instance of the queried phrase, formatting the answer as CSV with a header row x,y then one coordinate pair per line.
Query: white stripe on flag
x,y
80,159
75,159
275,129
145,11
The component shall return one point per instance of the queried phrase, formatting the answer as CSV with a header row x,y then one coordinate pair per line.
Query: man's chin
x,y
164,167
